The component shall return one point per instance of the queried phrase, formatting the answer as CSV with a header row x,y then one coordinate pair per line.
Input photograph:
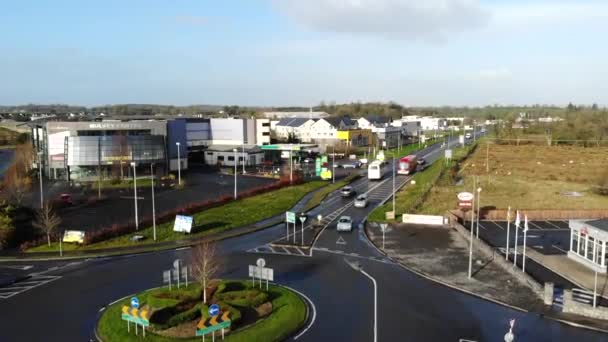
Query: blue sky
x,y
302,52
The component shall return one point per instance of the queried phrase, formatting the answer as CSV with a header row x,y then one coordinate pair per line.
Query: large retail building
x,y
85,149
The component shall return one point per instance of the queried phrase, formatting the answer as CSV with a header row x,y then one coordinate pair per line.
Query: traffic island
x,y
238,310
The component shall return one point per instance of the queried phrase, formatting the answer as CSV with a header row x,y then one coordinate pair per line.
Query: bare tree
x,y
205,264
16,184
47,220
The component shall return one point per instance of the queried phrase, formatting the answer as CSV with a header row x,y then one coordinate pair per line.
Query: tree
x,y
7,229
47,221
205,265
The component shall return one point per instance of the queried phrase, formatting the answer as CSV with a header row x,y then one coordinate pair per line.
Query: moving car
x,y
345,224
361,201
351,165
468,135
407,165
347,191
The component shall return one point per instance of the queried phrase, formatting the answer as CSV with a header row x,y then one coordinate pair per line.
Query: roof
x,y
377,119
599,224
335,121
230,148
292,122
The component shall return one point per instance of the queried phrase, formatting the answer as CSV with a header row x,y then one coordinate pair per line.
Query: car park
x,y
347,191
345,224
361,201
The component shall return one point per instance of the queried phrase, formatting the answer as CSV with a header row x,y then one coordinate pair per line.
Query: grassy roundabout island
x,y
256,314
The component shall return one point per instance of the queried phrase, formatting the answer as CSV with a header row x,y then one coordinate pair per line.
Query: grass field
x,y
288,314
231,215
526,177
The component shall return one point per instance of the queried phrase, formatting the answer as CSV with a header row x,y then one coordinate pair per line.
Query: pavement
x,y
546,254
410,307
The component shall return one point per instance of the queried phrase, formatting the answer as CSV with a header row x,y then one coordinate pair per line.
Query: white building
x,y
307,115
296,127
201,132
225,155
427,123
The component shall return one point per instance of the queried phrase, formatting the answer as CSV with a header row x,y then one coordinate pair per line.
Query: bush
x,y
245,298
176,318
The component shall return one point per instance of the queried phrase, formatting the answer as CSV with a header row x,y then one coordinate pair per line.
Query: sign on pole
x,y
183,224
448,154
465,200
214,310
290,217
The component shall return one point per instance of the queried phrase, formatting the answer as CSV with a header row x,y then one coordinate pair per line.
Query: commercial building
x,y
588,243
227,155
307,115
427,123
88,149
204,132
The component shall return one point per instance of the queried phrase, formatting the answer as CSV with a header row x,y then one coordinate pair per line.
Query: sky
x,y
303,52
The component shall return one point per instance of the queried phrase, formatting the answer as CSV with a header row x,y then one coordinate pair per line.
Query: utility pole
x,y
235,164
471,237
508,228
395,215
135,194
333,164
40,178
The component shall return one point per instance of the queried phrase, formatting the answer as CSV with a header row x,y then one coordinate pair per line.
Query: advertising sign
x,y
76,236
318,167
183,224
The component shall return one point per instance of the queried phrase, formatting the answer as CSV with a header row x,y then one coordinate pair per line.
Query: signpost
x,y
259,271
465,202
133,314
517,222
183,224
290,217
383,228
303,219
509,337
214,323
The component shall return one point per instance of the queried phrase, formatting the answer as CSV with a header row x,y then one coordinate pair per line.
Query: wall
x,y
227,131
572,306
501,214
262,132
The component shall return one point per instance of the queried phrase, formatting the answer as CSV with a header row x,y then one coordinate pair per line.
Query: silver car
x,y
345,224
361,201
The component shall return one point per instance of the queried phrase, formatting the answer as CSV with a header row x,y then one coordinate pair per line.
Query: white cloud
x,y
401,19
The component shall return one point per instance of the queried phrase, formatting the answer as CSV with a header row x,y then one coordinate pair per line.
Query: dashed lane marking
x,y
26,285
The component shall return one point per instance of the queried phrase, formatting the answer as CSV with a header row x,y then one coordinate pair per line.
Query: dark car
x,y
347,191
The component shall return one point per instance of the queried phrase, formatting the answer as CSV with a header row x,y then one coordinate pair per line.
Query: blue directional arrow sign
x,y
214,310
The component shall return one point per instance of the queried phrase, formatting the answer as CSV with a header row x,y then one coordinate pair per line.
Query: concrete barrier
x,y
423,219
587,310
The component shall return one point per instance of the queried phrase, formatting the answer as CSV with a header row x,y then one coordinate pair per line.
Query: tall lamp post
x,y
40,177
243,158
235,165
153,204
333,163
477,218
394,186
135,194
179,165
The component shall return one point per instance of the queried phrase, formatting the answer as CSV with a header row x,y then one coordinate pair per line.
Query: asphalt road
x,y
410,308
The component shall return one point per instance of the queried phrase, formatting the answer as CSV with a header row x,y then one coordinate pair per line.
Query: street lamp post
x,y
471,240
135,194
394,186
40,177
153,204
508,231
478,205
333,164
179,165
358,267
235,164
243,158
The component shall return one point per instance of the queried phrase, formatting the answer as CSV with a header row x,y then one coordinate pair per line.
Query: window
x,y
209,153
240,159
590,245
265,134
220,158
230,158
265,124
575,241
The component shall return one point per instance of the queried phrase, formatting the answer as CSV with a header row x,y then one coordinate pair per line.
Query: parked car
x,y
361,201
345,224
347,191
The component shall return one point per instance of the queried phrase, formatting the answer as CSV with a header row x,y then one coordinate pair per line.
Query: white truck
x,y
375,170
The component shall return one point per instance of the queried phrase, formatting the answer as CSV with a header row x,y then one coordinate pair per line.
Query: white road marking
x,y
534,224
556,226
314,314
496,224
23,268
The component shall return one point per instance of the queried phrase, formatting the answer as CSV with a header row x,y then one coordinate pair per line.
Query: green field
x,y
525,177
171,316
231,215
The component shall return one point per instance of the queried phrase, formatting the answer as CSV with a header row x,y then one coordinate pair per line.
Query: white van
x,y
375,170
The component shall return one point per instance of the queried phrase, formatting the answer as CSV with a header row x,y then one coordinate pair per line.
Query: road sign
x,y
135,303
340,241
264,273
261,262
212,324
317,166
183,224
302,218
448,154
465,205
135,315
383,227
290,217
214,310
465,196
